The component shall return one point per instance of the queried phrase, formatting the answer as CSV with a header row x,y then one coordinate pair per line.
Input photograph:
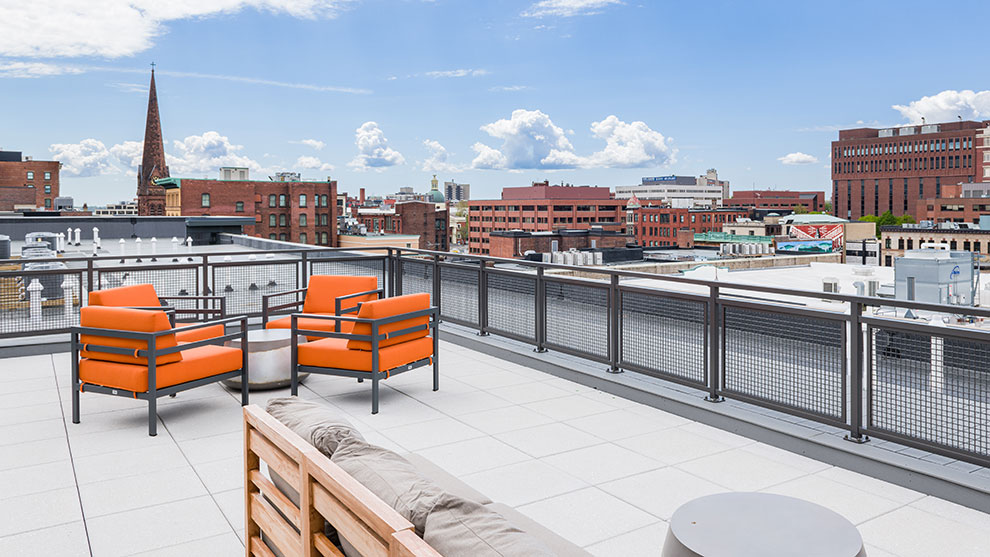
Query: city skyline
x,y
383,95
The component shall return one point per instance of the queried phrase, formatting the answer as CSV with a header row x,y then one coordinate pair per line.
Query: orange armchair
x,y
143,296
387,337
137,354
324,295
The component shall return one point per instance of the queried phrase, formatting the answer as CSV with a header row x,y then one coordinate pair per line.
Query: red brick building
x,y
959,203
672,227
417,218
292,211
513,244
27,183
543,208
813,201
877,170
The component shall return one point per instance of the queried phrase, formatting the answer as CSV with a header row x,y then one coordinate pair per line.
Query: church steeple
x,y
151,198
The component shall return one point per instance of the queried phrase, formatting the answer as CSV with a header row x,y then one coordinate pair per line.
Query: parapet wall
x,y
671,267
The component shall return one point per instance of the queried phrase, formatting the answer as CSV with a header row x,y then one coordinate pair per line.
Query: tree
x,y
827,207
906,219
800,210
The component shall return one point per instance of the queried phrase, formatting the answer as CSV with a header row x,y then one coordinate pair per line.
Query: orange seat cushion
x,y
333,353
310,324
387,308
322,292
126,319
138,295
196,363
213,331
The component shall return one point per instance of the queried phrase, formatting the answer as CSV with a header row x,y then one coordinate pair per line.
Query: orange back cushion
x,y
139,295
322,292
126,319
387,308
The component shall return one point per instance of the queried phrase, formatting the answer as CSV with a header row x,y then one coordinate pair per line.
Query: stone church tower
x,y
151,197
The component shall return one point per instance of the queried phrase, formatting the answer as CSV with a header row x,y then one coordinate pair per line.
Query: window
x,y
302,238
48,188
205,200
281,220
323,219
281,200
271,236
239,207
325,238
281,236
302,220
302,199
271,220
271,200
48,203
30,175
324,200
48,176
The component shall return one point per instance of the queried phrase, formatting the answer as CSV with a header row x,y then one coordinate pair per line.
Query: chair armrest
x,y
338,299
211,341
207,309
266,306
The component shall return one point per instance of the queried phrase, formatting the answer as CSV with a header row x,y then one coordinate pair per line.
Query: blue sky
x,y
381,94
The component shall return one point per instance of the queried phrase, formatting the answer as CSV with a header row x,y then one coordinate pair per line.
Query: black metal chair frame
x,y
174,312
375,375
267,309
151,353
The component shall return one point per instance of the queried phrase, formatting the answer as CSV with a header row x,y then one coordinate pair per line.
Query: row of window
x,y
30,176
281,220
512,208
953,244
916,163
918,146
322,238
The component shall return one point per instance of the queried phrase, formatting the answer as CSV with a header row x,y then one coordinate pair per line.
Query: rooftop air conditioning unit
x,y
872,287
830,285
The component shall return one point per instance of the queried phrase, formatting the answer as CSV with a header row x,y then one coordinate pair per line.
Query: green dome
x,y
435,196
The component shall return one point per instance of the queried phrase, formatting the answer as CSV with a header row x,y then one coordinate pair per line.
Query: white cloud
x,y
946,106
198,154
34,69
115,28
314,143
89,157
509,88
438,159
568,8
457,73
128,153
313,163
373,149
797,158
530,140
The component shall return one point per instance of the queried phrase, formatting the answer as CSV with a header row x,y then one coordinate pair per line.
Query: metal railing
x,y
848,365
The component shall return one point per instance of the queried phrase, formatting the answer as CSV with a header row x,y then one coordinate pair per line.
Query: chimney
x,y
361,196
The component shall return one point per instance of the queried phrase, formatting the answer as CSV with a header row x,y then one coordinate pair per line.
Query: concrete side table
x,y
269,359
759,525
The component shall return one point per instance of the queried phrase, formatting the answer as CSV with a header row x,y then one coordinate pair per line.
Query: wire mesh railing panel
x,y
417,276
664,336
577,318
371,266
786,361
242,285
175,280
38,302
930,389
459,293
512,305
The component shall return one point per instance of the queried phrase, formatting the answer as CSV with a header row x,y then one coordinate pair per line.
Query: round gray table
x,y
759,525
269,359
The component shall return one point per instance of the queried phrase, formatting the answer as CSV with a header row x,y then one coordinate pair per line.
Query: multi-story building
x,y
513,244
124,208
813,201
294,211
898,239
26,183
457,192
543,208
959,203
679,191
422,219
662,226
890,169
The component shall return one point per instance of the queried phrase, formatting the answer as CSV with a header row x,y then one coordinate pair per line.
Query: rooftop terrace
x,y
601,458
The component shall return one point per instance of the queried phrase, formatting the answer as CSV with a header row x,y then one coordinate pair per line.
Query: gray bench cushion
x,y
445,480
460,528
316,423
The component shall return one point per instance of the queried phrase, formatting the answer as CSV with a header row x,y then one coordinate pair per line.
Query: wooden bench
x,y
327,495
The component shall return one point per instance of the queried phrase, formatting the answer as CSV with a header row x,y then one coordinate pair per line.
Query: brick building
x,y
513,244
543,208
415,218
666,226
959,203
877,170
897,239
813,201
292,211
27,183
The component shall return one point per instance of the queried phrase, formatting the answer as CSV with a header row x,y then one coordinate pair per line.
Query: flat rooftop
x,y
602,471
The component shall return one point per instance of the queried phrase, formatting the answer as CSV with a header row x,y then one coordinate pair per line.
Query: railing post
x,y
541,309
304,270
206,276
89,280
482,299
397,274
855,375
613,325
388,272
714,347
436,285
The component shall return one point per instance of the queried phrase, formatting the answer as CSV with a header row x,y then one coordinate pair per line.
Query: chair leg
x,y
374,393
244,388
152,416
75,402
360,379
436,374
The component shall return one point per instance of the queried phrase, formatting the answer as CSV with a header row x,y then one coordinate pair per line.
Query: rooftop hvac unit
x,y
558,258
872,287
589,258
830,285
547,257
598,258
568,257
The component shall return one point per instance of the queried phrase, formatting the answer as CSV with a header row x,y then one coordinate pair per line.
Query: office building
x,y
812,201
679,191
457,192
